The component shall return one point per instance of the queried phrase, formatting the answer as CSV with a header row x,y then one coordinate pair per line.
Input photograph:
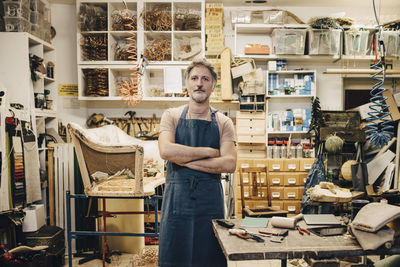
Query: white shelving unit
x,y
283,102
15,74
118,70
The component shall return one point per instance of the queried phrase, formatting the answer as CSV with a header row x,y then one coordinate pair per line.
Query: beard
x,y
199,97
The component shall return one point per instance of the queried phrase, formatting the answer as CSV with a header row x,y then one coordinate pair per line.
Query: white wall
x,y
63,18
329,89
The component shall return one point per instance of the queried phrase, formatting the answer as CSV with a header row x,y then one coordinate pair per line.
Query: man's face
x,y
200,84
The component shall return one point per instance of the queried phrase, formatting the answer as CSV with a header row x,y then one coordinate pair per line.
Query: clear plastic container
x,y
36,17
16,24
35,30
289,41
357,42
17,9
324,42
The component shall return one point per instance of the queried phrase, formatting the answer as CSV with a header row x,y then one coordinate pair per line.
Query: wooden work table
x,y
293,246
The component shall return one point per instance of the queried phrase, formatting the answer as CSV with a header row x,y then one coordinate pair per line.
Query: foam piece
x,y
374,216
370,241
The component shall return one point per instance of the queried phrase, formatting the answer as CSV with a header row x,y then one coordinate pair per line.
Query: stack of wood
x,y
215,39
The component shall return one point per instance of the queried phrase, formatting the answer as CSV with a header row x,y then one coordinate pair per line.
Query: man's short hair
x,y
201,63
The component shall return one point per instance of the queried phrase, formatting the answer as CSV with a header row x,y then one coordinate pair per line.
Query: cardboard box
x,y
256,50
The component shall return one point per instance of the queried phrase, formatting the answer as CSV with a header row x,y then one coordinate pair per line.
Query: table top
x,y
293,246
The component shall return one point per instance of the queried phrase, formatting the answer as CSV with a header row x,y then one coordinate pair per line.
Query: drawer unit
x,y
277,193
276,179
260,162
293,193
306,164
291,165
292,206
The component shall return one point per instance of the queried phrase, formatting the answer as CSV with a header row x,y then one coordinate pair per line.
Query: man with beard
x,y
199,144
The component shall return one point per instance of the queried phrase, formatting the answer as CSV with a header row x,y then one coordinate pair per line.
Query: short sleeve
x,y
167,122
228,131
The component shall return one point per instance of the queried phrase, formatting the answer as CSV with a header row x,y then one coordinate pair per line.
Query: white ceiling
x,y
294,3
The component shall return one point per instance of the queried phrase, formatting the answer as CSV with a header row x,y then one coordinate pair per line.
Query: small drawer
x,y
244,163
249,153
291,179
291,165
292,206
275,165
306,164
276,193
250,130
250,115
277,204
260,162
294,193
250,122
276,179
251,138
303,178
247,192
257,204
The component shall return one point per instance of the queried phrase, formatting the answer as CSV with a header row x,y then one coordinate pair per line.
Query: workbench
x,y
293,246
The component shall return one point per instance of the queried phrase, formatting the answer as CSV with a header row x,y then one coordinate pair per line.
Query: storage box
x,y
392,42
357,42
324,42
289,41
17,9
51,236
16,24
34,218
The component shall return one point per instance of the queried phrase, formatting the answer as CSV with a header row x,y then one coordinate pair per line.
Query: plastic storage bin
x,y
35,30
18,9
36,17
289,41
357,42
16,24
324,42
392,42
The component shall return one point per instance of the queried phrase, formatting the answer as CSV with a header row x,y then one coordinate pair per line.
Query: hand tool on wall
x,y
130,123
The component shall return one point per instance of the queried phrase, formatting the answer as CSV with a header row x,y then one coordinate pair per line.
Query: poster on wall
x,y
68,90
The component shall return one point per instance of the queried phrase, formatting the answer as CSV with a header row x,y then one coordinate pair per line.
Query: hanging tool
x,y
379,132
130,123
244,234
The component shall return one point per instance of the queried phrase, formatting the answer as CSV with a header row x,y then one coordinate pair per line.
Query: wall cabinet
x,y
167,33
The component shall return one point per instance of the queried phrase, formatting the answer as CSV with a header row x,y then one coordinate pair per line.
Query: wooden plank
x,y
396,184
50,175
226,80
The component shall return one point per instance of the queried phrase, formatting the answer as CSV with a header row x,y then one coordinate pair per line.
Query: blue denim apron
x,y
191,200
